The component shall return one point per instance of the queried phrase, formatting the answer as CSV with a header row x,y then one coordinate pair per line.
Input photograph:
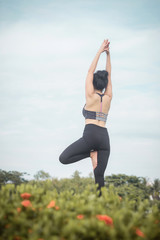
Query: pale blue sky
x,y
46,48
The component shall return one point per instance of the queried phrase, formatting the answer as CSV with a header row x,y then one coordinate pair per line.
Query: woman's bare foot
x,y
93,156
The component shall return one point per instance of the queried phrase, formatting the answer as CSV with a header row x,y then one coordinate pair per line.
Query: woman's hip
x,y
96,137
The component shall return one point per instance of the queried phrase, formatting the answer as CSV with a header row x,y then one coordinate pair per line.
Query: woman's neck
x,y
98,91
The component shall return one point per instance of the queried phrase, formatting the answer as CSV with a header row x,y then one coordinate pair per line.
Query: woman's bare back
x,y
93,103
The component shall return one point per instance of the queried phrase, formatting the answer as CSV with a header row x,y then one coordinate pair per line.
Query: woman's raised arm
x,y
89,89
108,90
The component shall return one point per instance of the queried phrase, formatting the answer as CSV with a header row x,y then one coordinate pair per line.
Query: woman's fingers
x,y
107,42
105,45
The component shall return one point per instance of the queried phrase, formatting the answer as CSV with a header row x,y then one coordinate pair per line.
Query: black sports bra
x,y
95,115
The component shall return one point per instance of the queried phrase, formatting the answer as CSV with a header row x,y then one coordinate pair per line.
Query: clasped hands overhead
x,y
105,46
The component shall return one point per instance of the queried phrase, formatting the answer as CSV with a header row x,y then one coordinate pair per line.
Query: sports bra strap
x,y
101,95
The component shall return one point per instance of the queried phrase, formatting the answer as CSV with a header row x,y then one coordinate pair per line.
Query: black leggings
x,y
94,138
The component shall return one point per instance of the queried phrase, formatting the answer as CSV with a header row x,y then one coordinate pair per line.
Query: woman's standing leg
x,y
75,152
102,160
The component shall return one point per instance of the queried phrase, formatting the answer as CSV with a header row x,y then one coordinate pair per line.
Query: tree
x,y
76,175
156,185
12,176
41,175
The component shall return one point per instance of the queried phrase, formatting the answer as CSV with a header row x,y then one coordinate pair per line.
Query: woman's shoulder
x,y
92,98
96,97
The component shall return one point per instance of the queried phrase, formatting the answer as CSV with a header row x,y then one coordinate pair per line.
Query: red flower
x,y
18,209
51,204
120,198
80,216
108,220
57,207
25,195
139,233
26,203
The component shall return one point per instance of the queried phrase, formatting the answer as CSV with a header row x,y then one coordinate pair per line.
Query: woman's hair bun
x,y
100,79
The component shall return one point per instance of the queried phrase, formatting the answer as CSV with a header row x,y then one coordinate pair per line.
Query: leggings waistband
x,y
95,127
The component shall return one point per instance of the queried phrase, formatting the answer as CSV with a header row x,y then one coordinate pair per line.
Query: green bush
x,y
51,214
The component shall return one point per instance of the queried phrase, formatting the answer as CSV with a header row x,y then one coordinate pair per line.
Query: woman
x,y
95,142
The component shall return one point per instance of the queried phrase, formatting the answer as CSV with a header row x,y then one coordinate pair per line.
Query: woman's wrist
x,y
99,51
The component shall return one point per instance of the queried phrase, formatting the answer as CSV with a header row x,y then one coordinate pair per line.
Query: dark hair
x,y
100,79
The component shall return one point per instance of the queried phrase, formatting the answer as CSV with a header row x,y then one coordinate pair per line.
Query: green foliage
x,y
71,214
132,186
156,185
41,175
12,176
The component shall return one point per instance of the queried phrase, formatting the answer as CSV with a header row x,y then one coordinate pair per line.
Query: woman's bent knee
x,y
62,159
